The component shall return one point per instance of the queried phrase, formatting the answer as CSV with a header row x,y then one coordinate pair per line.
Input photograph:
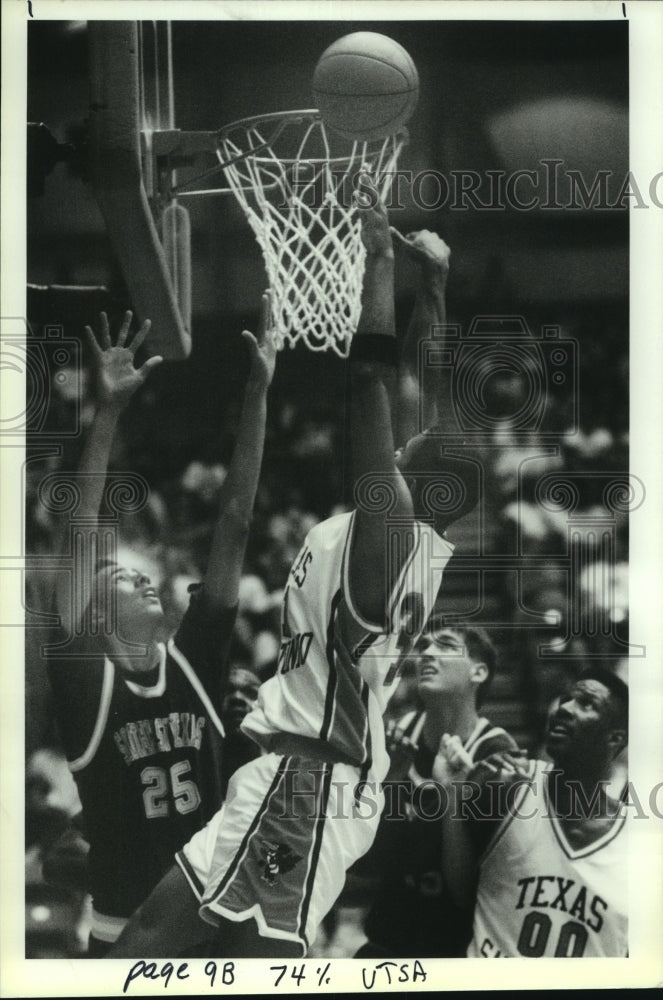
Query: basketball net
x,y
302,211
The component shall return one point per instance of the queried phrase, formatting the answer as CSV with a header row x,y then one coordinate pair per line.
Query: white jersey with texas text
x,y
538,896
336,672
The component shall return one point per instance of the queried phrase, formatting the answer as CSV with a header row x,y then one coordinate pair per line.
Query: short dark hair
x,y
478,643
426,465
618,692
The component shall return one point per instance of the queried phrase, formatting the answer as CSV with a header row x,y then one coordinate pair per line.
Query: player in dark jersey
x,y
541,857
65,861
411,913
139,716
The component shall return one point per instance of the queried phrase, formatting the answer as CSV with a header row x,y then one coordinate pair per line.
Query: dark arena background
x,y
542,562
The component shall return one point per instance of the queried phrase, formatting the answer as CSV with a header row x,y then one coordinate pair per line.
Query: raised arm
x,y
459,855
238,493
422,390
117,379
477,797
373,358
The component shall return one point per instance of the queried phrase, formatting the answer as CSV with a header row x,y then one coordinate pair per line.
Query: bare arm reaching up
x,y
224,568
420,391
116,381
373,358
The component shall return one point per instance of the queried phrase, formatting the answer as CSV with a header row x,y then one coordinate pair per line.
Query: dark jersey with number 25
x,y
145,752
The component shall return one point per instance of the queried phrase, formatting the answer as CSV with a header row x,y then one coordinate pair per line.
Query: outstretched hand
x,y
452,762
262,348
117,378
502,766
425,248
375,233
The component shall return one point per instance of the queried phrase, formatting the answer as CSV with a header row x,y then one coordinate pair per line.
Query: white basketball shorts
x,y
280,846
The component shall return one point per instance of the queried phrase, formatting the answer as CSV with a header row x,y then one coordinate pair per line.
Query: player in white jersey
x,y
336,668
546,846
271,863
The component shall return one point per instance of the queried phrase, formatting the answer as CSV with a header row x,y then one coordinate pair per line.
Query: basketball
x,y
366,86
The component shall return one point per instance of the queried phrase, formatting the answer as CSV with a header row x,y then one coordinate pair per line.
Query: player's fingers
x,y
366,193
518,764
140,336
265,316
512,765
105,330
456,757
251,340
92,340
400,240
366,182
124,329
151,363
424,235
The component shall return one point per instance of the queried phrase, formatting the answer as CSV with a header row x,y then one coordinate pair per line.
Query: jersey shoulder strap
x,y
105,698
195,682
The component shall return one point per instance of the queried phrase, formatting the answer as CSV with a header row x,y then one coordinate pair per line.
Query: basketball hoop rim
x,y
359,152
249,120
300,115
312,248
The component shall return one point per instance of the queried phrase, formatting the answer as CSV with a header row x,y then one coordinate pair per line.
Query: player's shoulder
x,y
439,542
325,546
66,650
82,671
203,614
489,739
404,727
331,527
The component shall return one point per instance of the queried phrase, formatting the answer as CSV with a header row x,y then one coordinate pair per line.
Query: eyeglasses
x,y
445,643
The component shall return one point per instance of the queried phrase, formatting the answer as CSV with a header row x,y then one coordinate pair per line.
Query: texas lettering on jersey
x,y
539,895
146,737
564,895
539,934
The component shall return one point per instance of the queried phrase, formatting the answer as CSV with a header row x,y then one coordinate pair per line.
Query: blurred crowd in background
x,y
569,596
551,533
564,605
